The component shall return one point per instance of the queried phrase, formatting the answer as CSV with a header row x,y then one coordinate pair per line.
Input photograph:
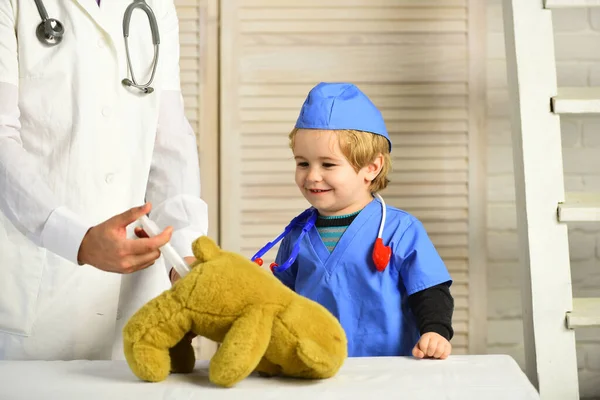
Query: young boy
x,y
387,308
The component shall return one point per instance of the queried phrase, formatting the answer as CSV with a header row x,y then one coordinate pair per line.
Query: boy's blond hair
x,y
360,149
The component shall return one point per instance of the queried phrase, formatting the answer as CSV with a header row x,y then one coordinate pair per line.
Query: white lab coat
x,y
77,147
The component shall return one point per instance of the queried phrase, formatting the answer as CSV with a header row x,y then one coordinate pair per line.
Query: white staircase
x,y
549,311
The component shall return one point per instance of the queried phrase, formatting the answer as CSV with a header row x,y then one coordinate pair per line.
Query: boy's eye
x,y
328,165
302,164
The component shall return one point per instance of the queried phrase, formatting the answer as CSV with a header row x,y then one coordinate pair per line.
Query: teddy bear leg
x,y
183,358
148,362
242,348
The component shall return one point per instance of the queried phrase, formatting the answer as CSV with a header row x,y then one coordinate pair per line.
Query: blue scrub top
x,y
371,306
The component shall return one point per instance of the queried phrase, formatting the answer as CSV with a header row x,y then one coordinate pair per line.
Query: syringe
x,y
171,256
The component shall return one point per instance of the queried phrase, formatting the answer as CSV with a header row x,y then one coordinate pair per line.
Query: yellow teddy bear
x,y
261,324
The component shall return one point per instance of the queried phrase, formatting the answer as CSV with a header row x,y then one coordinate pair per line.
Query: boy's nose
x,y
313,175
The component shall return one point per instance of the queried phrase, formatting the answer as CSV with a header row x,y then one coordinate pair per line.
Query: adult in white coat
x,y
79,153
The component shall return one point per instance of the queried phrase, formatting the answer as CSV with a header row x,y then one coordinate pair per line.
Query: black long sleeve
x,y
433,308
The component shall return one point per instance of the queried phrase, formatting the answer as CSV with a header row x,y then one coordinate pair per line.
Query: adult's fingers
x,y
132,215
146,245
142,261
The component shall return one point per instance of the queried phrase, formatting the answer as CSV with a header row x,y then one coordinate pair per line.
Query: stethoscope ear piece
x,y
50,32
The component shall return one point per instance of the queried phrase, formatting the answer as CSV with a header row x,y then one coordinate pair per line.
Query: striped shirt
x,y
332,228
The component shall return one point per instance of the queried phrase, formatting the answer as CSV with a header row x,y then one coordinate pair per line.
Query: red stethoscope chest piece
x,y
381,254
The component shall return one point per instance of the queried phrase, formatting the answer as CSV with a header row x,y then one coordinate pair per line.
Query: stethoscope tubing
x,y
50,32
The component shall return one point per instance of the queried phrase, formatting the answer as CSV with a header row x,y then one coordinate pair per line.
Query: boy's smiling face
x,y
326,178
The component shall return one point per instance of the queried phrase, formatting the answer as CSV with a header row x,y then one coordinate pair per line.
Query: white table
x,y
484,377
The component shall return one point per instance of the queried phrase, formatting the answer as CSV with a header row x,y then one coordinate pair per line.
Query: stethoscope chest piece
x,y
381,254
50,31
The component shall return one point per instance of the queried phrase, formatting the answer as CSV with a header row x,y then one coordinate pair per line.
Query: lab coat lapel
x,y
100,14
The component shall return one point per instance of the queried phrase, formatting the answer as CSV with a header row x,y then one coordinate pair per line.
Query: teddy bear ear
x,y
204,249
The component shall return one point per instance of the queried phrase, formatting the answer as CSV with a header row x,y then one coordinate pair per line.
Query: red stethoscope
x,y
307,219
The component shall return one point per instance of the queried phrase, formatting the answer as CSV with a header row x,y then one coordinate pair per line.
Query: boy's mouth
x,y
317,191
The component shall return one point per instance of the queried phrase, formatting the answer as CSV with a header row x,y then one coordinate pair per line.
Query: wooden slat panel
x,y
189,51
187,13
280,64
361,39
372,89
460,316
353,3
453,253
353,14
354,27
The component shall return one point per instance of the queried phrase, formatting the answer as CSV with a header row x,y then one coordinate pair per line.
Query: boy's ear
x,y
374,167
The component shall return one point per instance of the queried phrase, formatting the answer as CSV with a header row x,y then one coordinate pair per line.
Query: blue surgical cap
x,y
333,106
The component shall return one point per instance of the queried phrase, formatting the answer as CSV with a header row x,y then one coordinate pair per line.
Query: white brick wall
x,y
577,41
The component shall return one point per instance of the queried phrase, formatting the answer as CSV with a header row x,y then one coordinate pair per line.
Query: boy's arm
x,y
433,308
426,280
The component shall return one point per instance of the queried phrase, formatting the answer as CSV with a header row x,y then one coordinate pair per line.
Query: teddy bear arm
x,y
243,347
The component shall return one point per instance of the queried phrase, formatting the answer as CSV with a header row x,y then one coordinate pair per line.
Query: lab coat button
x,y
108,178
106,111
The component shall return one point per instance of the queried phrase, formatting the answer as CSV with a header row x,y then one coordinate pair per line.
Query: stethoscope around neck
x,y
51,32
381,254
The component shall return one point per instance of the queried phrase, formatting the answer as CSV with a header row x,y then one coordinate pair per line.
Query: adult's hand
x,y
106,246
173,275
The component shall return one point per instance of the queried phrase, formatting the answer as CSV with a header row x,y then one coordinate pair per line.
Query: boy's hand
x,y
432,345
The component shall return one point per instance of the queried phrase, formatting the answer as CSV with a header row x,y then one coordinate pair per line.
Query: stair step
x,y
577,100
571,3
586,312
580,207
